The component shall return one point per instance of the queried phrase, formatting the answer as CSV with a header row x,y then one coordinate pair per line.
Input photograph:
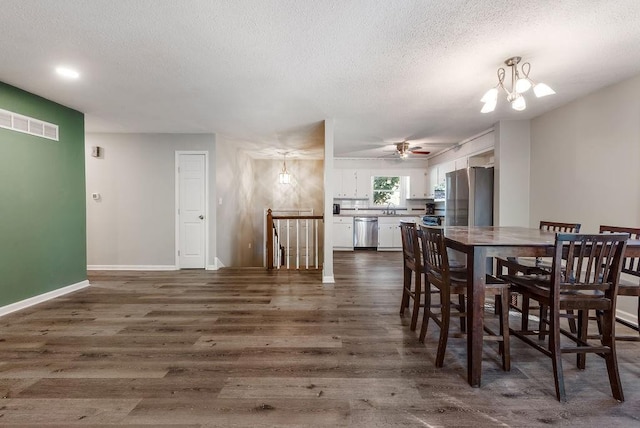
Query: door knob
x,y
201,217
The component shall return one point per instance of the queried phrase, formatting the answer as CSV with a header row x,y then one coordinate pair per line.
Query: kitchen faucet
x,y
388,211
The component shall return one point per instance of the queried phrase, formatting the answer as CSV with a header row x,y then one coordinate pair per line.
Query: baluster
x,y
279,256
306,243
316,243
297,244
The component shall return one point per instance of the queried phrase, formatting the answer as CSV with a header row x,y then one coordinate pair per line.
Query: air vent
x,y
5,119
28,125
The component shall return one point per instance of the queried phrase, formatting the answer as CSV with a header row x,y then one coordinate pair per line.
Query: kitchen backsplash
x,y
348,205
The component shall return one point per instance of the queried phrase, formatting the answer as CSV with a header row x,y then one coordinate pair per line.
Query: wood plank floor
x,y
249,348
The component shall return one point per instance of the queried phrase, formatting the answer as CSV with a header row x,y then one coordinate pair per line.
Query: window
x,y
387,190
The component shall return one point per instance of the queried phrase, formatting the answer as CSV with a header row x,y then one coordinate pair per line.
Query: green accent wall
x,y
42,201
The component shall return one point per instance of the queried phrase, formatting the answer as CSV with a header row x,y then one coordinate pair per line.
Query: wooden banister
x,y
279,252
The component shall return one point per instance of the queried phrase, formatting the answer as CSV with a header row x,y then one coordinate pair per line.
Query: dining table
x,y
479,244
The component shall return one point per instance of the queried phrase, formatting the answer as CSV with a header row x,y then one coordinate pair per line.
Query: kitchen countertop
x,y
356,214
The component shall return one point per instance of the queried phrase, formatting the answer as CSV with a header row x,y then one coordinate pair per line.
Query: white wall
x,y
512,173
478,144
585,159
133,224
247,187
235,186
328,181
306,191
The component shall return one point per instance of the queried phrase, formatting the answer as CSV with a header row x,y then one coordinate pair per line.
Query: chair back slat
x,y
630,265
593,262
434,253
554,226
410,244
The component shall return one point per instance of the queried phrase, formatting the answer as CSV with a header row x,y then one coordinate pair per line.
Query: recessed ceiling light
x,y
67,72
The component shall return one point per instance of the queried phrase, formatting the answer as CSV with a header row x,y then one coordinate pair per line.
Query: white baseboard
x,y
23,304
219,264
328,279
132,267
211,267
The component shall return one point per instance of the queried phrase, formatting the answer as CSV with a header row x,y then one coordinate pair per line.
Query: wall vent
x,y
28,125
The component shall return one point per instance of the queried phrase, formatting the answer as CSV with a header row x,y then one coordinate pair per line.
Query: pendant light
x,y
285,177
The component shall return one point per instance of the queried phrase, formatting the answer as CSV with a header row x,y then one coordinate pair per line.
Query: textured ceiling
x,y
266,73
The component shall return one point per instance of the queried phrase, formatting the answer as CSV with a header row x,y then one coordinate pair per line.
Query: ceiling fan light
x,y
542,90
490,96
523,85
519,103
489,106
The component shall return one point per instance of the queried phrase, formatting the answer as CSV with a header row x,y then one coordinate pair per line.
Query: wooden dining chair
x,y
452,284
629,286
587,280
413,271
537,266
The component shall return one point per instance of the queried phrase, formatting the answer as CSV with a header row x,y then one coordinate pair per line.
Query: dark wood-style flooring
x,y
256,349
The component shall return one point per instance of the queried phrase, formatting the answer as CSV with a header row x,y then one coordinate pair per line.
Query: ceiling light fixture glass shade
x,y
285,177
519,103
67,72
520,83
542,90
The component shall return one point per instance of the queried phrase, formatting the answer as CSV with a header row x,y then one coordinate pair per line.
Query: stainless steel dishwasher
x,y
365,232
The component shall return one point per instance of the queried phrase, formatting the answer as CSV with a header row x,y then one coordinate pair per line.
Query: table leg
x,y
476,270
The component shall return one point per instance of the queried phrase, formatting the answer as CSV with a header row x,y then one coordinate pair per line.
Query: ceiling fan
x,y
404,149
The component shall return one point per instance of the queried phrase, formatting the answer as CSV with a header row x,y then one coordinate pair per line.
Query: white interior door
x,y
192,209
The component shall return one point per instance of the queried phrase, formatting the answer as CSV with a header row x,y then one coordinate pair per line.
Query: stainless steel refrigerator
x,y
469,197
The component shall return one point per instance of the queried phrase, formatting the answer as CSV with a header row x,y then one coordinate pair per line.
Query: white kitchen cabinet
x,y
363,184
419,187
445,168
438,174
389,238
433,179
343,233
344,183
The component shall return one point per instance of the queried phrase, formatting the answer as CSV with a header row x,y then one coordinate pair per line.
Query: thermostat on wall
x,y
95,196
95,151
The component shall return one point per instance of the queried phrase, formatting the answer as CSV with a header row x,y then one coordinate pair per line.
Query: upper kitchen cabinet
x,y
351,183
438,173
363,184
344,183
419,184
433,179
485,159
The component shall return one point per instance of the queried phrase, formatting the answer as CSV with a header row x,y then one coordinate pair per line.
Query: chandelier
x,y
520,83
285,177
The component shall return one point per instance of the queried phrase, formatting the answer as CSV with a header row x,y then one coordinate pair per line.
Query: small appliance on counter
x,y
336,208
432,220
431,208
